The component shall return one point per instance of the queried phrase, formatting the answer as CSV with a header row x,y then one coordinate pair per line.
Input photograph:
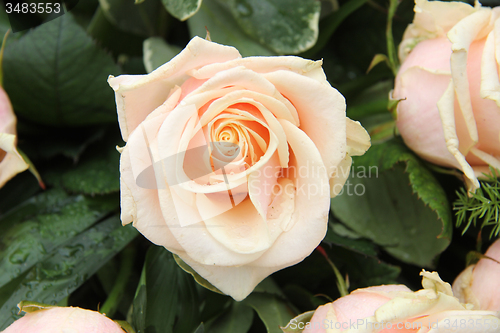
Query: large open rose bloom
x,y
395,308
230,162
64,320
449,86
479,284
11,163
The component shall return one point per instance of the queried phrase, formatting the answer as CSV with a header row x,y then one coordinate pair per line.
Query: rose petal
x,y
433,19
417,109
12,162
148,219
461,37
236,281
139,95
326,126
312,203
446,107
298,65
240,229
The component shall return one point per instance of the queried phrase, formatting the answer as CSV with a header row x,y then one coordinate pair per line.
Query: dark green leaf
x,y
56,75
56,277
329,24
33,230
272,310
237,319
392,199
97,173
166,299
182,9
279,25
141,19
223,29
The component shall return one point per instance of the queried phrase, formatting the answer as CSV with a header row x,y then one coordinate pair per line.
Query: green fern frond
x,y
483,206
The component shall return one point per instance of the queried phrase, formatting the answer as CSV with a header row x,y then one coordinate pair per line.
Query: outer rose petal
x,y
361,303
237,281
312,202
139,95
433,19
418,117
63,320
12,163
326,127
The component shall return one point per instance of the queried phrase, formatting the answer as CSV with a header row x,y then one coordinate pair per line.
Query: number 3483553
x,y
33,8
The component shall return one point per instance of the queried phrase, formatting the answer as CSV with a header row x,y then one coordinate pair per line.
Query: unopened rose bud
x,y
64,320
480,284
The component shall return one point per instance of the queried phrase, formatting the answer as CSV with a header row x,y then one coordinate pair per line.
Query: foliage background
x,y
65,244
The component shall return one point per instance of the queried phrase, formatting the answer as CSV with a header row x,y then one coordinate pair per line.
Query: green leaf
x,y
140,19
329,25
157,52
282,27
342,238
377,59
166,299
224,29
182,9
197,277
392,199
297,322
55,75
34,229
237,319
272,310
64,271
97,173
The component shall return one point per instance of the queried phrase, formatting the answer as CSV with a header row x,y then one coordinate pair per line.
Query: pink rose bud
x,y
11,163
480,284
64,320
395,308
448,87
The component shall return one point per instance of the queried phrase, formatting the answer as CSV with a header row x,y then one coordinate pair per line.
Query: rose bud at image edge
x,y
62,320
448,87
11,163
395,308
479,284
230,162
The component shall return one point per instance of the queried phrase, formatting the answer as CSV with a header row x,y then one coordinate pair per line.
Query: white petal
x,y
298,65
240,228
447,113
12,163
490,85
321,110
312,203
139,95
461,36
139,204
237,282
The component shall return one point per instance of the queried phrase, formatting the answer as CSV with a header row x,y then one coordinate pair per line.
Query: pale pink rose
x,y
64,320
11,163
449,87
480,284
395,308
230,162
